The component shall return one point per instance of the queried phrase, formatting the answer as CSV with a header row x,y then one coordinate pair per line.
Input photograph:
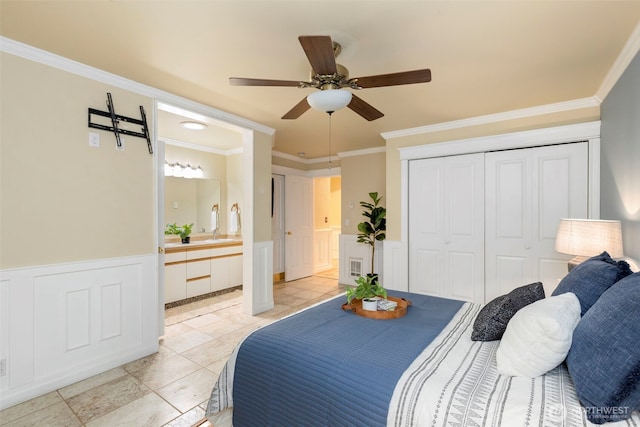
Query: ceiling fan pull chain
x,y
329,113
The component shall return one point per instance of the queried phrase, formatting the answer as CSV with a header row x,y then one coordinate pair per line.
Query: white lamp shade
x,y
329,100
589,237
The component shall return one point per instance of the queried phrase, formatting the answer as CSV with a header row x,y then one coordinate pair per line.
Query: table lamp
x,y
585,238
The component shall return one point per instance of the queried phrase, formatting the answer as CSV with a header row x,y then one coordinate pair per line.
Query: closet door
x,y
446,227
527,192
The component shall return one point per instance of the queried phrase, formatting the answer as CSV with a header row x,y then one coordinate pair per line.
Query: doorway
x,y
217,153
306,225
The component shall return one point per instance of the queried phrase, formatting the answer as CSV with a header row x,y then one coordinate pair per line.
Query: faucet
x,y
215,233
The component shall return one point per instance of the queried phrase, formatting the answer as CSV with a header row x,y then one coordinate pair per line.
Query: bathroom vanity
x,y
201,267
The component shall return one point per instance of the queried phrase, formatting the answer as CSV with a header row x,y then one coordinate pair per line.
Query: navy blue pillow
x,y
591,278
604,359
492,320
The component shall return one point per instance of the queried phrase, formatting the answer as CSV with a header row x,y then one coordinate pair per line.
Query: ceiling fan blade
x,y
241,81
319,51
394,79
298,110
364,109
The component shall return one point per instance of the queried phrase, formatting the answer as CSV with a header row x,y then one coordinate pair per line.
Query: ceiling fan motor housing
x,y
337,80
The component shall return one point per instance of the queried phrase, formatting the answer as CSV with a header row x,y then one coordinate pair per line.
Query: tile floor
x,y
171,387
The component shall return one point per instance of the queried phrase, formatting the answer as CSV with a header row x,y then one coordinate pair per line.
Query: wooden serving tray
x,y
401,309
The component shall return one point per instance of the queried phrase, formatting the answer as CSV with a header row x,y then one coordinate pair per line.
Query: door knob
x,y
289,233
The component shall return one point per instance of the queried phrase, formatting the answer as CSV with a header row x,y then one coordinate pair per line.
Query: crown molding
x,y
362,152
493,118
291,157
300,159
56,61
316,173
627,54
513,140
340,154
192,146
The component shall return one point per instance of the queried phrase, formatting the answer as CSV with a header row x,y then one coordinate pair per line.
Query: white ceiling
x,y
485,57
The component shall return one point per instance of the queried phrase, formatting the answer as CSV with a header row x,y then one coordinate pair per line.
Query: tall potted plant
x,y
370,231
373,230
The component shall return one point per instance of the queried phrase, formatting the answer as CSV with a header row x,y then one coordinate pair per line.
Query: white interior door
x,y
277,223
527,192
446,227
299,227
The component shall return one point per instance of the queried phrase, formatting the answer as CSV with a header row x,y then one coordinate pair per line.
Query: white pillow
x,y
538,336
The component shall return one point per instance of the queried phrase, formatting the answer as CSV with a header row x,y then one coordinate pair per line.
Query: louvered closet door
x,y
446,227
527,192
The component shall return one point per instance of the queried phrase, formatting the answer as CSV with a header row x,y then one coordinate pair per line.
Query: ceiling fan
x,y
330,78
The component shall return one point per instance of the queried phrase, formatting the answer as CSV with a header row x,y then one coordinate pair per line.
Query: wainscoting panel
x,y
259,297
322,249
351,250
64,323
396,273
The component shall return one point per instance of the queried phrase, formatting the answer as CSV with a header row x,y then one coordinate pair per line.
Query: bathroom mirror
x,y
189,201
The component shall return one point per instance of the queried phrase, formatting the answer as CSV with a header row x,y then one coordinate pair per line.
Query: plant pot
x,y
370,304
374,278
186,239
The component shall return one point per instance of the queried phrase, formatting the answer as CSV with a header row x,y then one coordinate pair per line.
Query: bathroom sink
x,y
215,241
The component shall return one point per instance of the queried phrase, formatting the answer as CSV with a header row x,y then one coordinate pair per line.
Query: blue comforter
x,y
328,367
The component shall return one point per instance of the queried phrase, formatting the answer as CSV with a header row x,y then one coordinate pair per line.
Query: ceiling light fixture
x,y
329,100
193,125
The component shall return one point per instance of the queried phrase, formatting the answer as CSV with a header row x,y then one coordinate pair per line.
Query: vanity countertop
x,y
201,244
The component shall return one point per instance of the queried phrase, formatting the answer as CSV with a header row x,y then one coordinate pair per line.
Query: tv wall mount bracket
x,y
117,119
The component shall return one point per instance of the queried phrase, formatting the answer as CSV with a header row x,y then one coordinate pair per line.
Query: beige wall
x,y
63,200
393,172
321,202
361,175
327,194
335,201
234,183
261,161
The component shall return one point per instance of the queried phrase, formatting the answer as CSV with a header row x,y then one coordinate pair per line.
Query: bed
x,y
327,367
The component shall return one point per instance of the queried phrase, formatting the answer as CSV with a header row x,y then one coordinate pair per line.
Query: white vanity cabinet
x,y
226,268
175,276
198,272
201,268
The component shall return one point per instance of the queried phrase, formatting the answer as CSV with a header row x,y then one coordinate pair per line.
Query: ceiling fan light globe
x,y
329,100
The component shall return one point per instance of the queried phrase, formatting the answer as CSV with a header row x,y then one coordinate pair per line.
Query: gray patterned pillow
x,y
492,320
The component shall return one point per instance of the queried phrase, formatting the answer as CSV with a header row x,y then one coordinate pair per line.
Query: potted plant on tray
x,y
367,288
182,230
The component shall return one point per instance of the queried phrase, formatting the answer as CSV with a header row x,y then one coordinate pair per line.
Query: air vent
x,y
355,267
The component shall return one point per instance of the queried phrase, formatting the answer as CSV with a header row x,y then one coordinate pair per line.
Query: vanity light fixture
x,y
179,170
193,125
